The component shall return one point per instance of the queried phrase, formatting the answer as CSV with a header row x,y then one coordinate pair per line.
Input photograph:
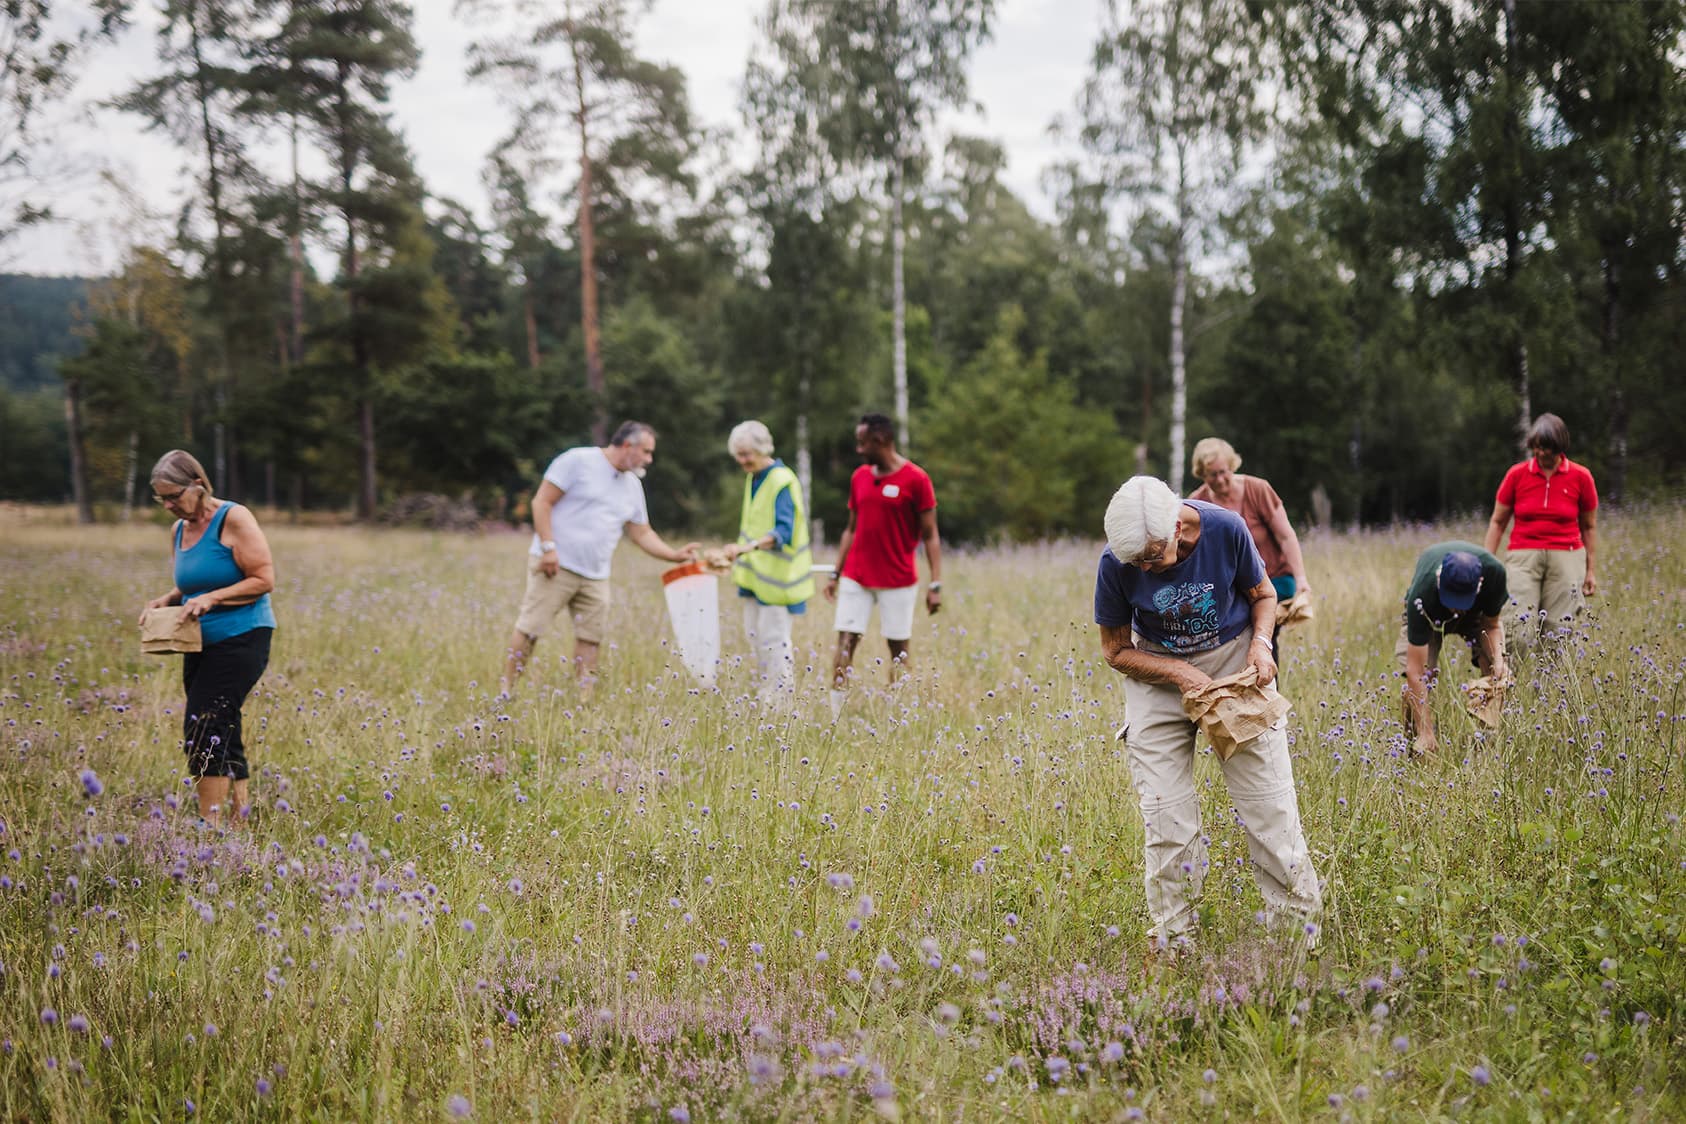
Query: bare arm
x,y
1496,528
544,502
1493,647
646,539
1283,532
1124,657
1419,718
846,541
245,539
933,558
1263,597
1589,537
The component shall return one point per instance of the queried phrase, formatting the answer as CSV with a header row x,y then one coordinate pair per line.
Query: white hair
x,y
750,437
1143,511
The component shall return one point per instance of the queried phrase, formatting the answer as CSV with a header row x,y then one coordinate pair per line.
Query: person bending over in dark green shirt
x,y
1457,588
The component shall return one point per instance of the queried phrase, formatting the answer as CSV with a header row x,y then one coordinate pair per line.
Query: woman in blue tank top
x,y
223,576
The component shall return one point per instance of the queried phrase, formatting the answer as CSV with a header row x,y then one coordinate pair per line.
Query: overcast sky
x,y
1024,77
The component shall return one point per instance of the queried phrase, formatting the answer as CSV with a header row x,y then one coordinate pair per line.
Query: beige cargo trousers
x,y
1260,779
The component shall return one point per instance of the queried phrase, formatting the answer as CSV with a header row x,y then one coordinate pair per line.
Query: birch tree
x,y
1170,112
874,74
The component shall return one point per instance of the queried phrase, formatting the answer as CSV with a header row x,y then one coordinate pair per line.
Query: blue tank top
x,y
208,565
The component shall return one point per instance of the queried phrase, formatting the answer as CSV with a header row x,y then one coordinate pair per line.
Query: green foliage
x,y
654,376
1014,452
1455,195
32,445
37,318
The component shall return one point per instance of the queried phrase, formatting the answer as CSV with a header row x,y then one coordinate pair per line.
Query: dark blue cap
x,y
1459,580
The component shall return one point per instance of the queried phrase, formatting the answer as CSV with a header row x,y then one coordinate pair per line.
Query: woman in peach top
x,y
1215,462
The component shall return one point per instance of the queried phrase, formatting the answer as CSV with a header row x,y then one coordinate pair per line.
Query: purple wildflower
x,y
91,783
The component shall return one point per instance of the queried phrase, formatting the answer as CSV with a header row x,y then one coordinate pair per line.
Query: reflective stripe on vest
x,y
776,577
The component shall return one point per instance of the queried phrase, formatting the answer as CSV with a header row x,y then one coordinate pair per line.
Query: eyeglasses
x,y
1150,556
172,497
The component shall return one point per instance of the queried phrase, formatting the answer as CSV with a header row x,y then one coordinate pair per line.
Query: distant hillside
x,y
35,327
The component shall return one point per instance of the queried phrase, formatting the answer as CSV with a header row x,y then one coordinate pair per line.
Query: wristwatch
x,y
933,587
548,546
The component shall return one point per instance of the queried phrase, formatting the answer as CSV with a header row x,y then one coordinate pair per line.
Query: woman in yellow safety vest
x,y
772,564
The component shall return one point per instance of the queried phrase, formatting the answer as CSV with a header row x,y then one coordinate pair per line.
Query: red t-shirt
x,y
1547,510
887,510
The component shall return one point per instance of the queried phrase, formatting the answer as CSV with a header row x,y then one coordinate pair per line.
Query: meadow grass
x,y
664,903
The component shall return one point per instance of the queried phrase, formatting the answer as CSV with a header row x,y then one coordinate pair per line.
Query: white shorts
x,y
895,608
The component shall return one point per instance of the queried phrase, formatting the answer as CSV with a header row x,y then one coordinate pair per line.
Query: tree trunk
x,y
530,317
1179,387
131,462
295,259
588,261
1610,341
221,474
1513,230
898,300
366,439
347,145
78,450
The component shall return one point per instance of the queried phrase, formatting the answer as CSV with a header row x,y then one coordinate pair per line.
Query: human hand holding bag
x,y
168,630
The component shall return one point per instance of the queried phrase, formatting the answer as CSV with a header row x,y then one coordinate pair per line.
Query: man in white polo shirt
x,y
589,497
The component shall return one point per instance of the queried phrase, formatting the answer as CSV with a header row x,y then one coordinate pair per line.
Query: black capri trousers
x,y
218,679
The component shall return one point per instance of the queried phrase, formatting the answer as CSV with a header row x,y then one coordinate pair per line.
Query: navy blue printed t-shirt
x,y
1196,605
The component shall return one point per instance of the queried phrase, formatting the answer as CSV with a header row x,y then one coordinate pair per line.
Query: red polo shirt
x,y
887,510
1547,509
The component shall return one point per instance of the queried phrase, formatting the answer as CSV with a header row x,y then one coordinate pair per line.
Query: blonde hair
x,y
750,437
1143,511
182,469
1210,449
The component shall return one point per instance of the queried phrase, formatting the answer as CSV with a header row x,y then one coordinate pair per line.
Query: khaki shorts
x,y
1545,588
586,599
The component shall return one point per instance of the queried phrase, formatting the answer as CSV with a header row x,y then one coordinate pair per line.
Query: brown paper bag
x,y
1296,610
168,631
1234,710
1484,698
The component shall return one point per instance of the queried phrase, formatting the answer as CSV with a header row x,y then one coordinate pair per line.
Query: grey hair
x,y
750,437
629,431
182,469
1143,511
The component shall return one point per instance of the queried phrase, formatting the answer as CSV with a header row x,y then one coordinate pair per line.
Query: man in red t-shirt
x,y
892,509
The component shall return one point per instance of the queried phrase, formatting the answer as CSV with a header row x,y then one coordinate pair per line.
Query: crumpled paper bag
x,y
168,631
1296,610
1234,710
1484,698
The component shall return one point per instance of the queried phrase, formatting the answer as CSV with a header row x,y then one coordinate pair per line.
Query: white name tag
x,y
891,491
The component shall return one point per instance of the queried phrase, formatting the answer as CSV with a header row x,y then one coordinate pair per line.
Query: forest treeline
x,y
1364,240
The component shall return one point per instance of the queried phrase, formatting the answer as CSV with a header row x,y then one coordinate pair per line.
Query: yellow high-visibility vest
x,y
783,576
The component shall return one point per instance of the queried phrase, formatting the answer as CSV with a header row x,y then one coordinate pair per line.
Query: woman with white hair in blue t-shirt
x,y
1182,598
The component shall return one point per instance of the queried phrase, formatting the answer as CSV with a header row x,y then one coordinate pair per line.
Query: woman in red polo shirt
x,y
1549,566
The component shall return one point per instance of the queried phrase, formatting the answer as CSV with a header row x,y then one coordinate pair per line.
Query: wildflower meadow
x,y
664,903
